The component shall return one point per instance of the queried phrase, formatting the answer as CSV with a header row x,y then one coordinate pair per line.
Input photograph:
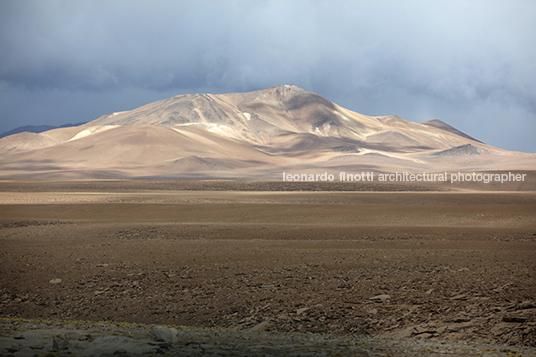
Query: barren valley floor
x,y
454,266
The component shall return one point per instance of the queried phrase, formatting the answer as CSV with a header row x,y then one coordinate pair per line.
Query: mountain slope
x,y
246,135
441,125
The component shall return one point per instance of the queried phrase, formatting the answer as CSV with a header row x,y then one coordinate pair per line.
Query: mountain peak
x,y
291,87
281,92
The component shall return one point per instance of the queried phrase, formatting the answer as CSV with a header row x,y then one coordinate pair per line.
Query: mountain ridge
x,y
247,135
266,113
442,125
36,128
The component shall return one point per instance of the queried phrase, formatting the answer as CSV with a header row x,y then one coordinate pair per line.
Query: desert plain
x,y
431,263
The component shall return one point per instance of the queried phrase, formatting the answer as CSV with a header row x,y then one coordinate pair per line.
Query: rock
x,y
111,345
260,327
302,310
459,319
55,281
441,330
458,328
164,334
424,335
381,297
13,349
424,329
55,346
459,297
36,345
405,333
283,316
526,305
497,332
501,288
514,318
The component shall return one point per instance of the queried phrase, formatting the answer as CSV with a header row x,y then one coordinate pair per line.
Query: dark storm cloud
x,y
470,64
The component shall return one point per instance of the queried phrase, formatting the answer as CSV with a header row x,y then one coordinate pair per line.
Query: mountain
x,y
28,128
253,135
35,129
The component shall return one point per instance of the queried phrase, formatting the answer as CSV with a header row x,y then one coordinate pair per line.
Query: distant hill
x,y
36,128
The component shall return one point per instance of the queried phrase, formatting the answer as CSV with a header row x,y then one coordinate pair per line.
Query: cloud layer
x,y
471,64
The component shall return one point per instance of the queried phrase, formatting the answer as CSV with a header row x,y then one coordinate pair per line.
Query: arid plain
x,y
443,262
176,213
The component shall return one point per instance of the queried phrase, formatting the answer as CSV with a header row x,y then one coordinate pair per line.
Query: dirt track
x,y
452,266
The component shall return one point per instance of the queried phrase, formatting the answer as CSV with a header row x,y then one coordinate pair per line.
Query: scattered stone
x,y
513,318
458,328
459,320
260,327
13,349
164,334
55,281
302,310
405,333
501,288
424,335
441,330
498,332
113,345
526,305
37,345
382,297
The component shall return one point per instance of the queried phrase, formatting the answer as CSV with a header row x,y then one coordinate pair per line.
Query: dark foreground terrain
x,y
449,266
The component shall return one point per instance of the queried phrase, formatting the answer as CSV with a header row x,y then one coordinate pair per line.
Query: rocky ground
x,y
409,268
77,338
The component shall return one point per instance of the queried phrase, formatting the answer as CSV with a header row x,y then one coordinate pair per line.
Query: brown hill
x,y
247,136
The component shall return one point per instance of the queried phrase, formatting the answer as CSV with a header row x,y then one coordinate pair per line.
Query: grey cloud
x,y
468,63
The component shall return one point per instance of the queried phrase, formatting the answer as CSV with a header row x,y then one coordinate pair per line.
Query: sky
x,y
471,64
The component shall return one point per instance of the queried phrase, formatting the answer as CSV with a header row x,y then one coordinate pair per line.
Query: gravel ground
x,y
259,272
